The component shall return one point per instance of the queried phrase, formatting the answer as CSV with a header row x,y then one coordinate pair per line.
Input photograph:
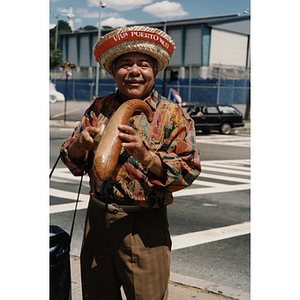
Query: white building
x,y
201,44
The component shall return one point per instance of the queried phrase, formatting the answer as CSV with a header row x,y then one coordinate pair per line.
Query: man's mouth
x,y
134,80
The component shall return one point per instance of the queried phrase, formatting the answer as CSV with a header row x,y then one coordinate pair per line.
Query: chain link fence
x,y
225,85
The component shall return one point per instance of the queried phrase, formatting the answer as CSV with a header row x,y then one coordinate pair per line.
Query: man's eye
x,y
144,66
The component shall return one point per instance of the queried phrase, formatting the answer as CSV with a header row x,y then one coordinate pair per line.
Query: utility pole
x,y
67,66
56,31
165,70
99,35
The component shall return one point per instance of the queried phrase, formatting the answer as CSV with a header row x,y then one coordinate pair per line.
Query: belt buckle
x,y
116,208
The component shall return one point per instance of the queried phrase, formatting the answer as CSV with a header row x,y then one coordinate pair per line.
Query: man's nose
x,y
135,70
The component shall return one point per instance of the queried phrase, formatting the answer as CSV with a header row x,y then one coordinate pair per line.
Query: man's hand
x,y
84,142
134,145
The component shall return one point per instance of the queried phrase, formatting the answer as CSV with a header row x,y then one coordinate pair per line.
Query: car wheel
x,y
225,128
53,99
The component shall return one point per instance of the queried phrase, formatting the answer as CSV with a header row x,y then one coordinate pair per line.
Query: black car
x,y
219,117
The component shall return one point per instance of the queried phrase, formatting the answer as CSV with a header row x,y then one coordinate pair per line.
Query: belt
x,y
114,208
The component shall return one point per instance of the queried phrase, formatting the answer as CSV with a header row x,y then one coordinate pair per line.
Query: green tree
x,y
56,55
55,58
90,27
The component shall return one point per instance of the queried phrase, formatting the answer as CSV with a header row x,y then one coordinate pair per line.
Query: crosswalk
x,y
217,176
225,140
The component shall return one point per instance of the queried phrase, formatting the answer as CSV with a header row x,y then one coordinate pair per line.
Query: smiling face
x,y
134,73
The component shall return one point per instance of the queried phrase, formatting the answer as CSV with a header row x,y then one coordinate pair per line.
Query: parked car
x,y
54,95
219,117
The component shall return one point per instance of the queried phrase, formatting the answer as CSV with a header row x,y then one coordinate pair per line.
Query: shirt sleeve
x,y
179,152
77,169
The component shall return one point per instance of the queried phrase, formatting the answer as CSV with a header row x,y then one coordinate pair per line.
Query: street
x,y
209,221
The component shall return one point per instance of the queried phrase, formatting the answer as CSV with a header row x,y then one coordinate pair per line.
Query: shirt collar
x,y
153,98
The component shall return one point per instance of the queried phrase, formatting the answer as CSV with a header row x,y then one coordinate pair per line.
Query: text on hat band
x,y
132,35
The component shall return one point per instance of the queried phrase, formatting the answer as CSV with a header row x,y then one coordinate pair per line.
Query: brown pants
x,y
129,249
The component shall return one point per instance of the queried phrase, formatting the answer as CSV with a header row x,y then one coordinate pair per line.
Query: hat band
x,y
132,35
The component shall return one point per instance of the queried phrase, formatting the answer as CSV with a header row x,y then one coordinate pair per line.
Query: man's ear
x,y
155,73
113,71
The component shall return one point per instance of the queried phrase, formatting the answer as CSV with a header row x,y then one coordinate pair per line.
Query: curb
x,y
208,286
61,123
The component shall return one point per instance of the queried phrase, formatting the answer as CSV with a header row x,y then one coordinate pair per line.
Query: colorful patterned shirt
x,y
171,136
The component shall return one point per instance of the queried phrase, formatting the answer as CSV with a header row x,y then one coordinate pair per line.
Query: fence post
x,y
91,91
233,86
218,90
190,83
66,97
73,88
247,113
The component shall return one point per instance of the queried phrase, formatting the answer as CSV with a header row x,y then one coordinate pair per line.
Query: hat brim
x,y
146,40
159,53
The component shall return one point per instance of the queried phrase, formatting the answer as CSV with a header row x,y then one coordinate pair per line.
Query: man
x,y
126,240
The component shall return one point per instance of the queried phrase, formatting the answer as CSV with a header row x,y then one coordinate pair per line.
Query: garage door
x,y
228,48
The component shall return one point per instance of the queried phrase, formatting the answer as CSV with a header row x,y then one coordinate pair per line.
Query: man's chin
x,y
133,94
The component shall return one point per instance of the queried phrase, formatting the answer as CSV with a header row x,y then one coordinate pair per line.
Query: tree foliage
x,y
89,28
63,27
56,55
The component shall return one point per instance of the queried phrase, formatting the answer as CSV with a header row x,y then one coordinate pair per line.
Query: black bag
x,y
60,270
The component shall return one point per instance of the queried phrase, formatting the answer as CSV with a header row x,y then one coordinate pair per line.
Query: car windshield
x,y
212,110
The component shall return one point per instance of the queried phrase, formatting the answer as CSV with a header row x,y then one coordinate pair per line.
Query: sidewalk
x,y
180,287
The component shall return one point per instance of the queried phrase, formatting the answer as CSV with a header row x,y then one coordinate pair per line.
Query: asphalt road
x,y
219,200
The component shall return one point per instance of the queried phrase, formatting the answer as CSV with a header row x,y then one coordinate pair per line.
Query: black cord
x,y
54,166
73,222
78,194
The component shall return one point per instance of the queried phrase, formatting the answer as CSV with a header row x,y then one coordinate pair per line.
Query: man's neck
x,y
123,98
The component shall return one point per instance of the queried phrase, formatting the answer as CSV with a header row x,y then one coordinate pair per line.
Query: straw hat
x,y
147,40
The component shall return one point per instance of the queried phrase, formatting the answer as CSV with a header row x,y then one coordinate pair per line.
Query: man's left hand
x,y
134,145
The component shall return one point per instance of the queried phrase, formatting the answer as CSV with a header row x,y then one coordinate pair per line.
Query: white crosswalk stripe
x,y
64,173
225,140
206,236
82,204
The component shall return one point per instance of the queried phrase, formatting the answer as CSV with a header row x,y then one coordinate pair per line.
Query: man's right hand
x,y
84,142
